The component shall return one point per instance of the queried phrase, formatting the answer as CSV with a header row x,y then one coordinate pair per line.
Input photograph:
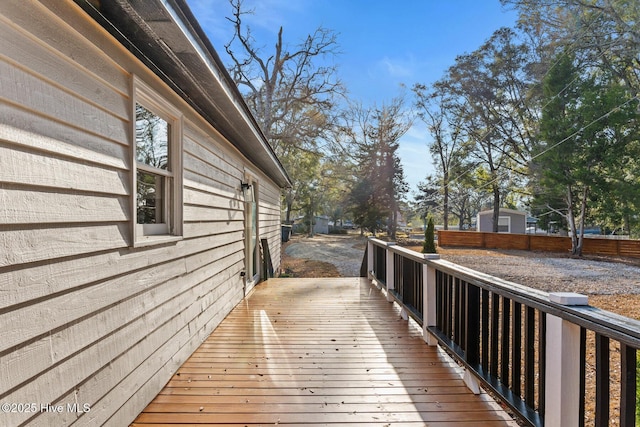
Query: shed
x,y
321,224
135,187
509,221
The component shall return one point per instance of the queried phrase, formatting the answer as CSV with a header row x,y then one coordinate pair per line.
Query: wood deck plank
x,y
316,352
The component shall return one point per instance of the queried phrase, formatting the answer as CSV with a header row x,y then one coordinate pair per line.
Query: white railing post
x,y
562,377
390,271
371,248
429,301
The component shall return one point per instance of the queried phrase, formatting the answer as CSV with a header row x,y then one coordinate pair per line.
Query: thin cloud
x,y
398,68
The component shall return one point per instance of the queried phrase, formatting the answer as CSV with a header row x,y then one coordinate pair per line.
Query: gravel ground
x,y
552,272
549,272
345,252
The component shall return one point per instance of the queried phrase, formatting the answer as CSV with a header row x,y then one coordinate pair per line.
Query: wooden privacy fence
x,y
532,242
528,346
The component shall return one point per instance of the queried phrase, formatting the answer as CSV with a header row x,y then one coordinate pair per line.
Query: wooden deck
x,y
317,352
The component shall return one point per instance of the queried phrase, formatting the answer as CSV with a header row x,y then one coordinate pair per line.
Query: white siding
x,y
84,317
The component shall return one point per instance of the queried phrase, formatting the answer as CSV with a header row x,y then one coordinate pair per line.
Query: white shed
x,y
509,221
135,187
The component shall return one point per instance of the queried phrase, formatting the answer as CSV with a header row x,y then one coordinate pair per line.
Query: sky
x,y
384,46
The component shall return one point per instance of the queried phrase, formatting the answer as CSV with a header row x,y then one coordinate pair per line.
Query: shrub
x,y
429,246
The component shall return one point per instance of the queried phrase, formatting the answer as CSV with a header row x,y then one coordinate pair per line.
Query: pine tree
x,y
429,246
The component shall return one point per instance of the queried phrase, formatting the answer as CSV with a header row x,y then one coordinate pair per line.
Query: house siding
x,y
85,317
517,222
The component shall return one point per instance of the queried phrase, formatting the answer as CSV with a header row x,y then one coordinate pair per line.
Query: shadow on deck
x,y
319,351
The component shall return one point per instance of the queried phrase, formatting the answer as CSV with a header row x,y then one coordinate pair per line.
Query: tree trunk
x,y
496,207
289,202
571,221
445,209
393,225
627,225
583,215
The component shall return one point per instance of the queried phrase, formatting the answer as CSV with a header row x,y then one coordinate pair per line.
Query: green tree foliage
x,y
485,96
379,177
427,198
586,131
429,246
603,33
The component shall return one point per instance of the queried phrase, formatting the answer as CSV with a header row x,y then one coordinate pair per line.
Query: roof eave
x,y
165,35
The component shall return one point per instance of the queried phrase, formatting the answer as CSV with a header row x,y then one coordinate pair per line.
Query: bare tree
x,y
448,138
291,91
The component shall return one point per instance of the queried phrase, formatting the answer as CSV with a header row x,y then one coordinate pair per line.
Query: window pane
x,y
152,139
149,198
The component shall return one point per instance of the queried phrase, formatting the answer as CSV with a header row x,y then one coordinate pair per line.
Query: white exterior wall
x,y
85,317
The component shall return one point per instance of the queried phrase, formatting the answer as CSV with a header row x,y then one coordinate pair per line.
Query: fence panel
x,y
532,242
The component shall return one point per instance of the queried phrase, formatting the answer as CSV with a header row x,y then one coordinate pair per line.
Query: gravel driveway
x,y
545,271
551,272
345,252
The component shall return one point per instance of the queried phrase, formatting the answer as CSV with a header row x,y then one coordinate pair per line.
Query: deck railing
x,y
550,357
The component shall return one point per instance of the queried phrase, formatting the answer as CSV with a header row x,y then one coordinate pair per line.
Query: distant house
x,y
509,221
135,189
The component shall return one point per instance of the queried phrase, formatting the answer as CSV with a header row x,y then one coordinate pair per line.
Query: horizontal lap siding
x,y
83,316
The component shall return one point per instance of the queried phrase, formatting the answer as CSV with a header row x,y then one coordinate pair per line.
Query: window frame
x,y
508,224
172,227
251,280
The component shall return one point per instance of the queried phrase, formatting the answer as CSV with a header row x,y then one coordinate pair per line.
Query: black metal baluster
x,y
529,356
495,327
485,331
602,381
504,347
445,306
439,300
516,351
583,364
627,386
457,312
463,314
421,290
542,363
472,330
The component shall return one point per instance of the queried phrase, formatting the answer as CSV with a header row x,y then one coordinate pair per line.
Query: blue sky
x,y
384,44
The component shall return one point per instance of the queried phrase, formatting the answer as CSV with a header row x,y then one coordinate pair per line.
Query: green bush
x,y
337,230
429,246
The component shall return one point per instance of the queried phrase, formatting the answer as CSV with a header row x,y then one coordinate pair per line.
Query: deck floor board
x,y
318,352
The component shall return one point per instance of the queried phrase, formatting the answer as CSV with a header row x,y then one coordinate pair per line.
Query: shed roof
x,y
166,37
503,210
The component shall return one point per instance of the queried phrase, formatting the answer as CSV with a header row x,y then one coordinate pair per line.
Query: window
x,y
504,224
158,184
